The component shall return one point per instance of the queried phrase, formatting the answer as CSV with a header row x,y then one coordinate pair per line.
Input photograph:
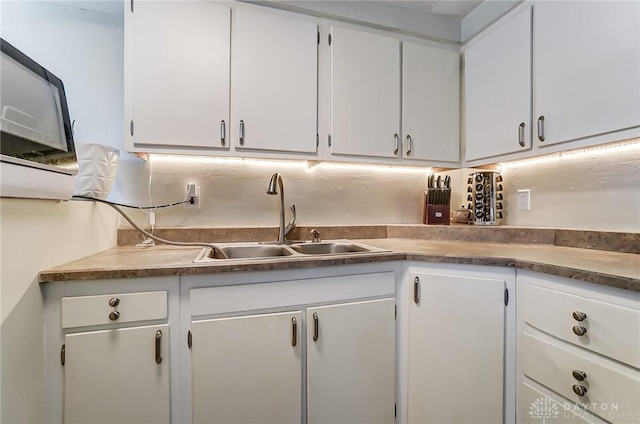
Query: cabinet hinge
x,y
506,297
62,355
131,6
189,339
329,140
131,128
329,39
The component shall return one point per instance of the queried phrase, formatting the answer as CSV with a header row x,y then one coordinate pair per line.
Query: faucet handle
x,y
316,236
292,223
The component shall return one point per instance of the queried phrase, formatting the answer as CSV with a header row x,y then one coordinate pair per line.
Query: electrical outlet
x,y
193,197
524,199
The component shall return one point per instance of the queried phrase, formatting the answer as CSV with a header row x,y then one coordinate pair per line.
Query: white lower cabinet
x,y
117,376
351,363
578,345
456,347
300,349
247,369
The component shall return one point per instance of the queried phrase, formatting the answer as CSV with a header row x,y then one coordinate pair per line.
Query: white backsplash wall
x,y
234,194
597,190
589,190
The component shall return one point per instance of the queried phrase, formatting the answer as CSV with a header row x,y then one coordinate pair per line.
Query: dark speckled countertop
x,y
613,269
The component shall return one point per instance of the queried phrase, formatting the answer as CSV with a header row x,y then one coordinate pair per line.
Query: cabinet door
x,y
586,68
497,90
456,350
430,103
351,363
247,369
365,94
179,73
112,376
274,83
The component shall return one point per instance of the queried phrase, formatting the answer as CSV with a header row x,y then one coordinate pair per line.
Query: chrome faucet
x,y
274,183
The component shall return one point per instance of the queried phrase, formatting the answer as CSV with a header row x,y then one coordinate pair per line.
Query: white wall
x,y
85,50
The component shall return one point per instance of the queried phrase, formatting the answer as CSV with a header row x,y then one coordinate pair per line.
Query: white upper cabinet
x,y
365,94
497,86
586,68
563,74
177,74
430,103
274,93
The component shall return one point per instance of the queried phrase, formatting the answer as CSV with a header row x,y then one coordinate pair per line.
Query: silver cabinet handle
x,y
409,145
294,331
113,316
579,375
579,316
416,290
114,301
541,128
315,327
397,141
223,132
579,330
579,390
158,347
241,132
521,134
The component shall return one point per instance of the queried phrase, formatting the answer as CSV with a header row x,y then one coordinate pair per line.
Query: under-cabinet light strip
x,y
300,164
629,145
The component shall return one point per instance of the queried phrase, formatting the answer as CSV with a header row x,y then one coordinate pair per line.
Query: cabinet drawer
x,y
97,310
248,297
611,330
612,390
536,402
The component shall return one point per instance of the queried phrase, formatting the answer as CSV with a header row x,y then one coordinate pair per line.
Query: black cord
x,y
129,206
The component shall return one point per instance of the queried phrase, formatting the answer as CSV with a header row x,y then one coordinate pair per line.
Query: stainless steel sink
x,y
247,251
328,248
270,251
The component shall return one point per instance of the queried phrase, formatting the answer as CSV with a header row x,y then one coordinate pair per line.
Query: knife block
x,y
435,214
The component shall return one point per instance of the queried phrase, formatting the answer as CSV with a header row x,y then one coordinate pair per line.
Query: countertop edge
x,y
616,281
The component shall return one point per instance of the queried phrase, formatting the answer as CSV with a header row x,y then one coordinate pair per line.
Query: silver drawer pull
x,y
114,301
579,316
409,145
113,316
521,134
315,327
579,390
579,375
223,132
579,330
416,290
294,331
396,139
158,347
541,128
241,137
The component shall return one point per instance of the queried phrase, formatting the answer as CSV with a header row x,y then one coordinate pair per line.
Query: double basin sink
x,y
270,251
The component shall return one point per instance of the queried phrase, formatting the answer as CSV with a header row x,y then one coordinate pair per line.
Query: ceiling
x,y
454,8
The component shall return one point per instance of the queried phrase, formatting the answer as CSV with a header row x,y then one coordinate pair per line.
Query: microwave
x,y
36,138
